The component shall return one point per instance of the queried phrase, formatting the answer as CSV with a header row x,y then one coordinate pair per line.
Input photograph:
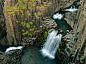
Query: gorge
x,y
27,23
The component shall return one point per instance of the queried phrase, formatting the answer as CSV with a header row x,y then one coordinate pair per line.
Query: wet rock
x,y
13,57
2,57
48,22
68,31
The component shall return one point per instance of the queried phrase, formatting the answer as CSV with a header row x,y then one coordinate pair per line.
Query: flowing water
x,y
52,43
57,16
13,48
71,9
34,55
62,24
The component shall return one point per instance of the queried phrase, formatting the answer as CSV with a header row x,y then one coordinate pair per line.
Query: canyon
x,y
38,18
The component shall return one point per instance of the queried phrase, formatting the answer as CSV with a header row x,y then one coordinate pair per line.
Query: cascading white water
x,y
52,43
13,48
71,9
57,16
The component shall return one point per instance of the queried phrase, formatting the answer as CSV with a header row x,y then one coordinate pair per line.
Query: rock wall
x,y
22,22
77,38
12,57
32,17
3,38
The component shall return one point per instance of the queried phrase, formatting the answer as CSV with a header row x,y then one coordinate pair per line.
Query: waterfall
x,y
52,43
71,9
13,48
57,16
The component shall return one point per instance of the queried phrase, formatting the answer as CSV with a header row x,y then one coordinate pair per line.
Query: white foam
x,y
13,48
71,9
52,43
57,16
46,53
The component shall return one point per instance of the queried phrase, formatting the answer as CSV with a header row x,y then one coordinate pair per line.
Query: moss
x,y
22,23
25,33
34,26
61,43
47,29
17,21
32,0
38,7
27,11
31,22
82,58
45,34
23,30
32,29
48,4
18,8
51,30
59,50
39,13
21,11
21,16
27,25
42,6
7,7
30,4
44,2
35,13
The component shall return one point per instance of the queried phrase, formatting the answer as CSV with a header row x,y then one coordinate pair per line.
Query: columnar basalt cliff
x,y
25,18
76,39
3,38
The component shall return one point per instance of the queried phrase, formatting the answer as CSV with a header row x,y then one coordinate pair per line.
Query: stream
x,y
32,55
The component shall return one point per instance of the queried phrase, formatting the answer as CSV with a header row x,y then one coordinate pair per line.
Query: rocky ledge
x,y
12,57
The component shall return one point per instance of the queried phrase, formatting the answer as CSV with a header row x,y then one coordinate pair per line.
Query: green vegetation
x,y
27,25
21,9
31,22
39,13
32,29
23,30
35,13
22,23
59,50
17,8
42,6
30,4
25,33
16,20
45,34
61,43
48,4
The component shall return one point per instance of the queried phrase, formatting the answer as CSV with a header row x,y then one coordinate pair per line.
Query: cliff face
x,y
77,21
3,38
77,38
27,21
25,18
28,24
